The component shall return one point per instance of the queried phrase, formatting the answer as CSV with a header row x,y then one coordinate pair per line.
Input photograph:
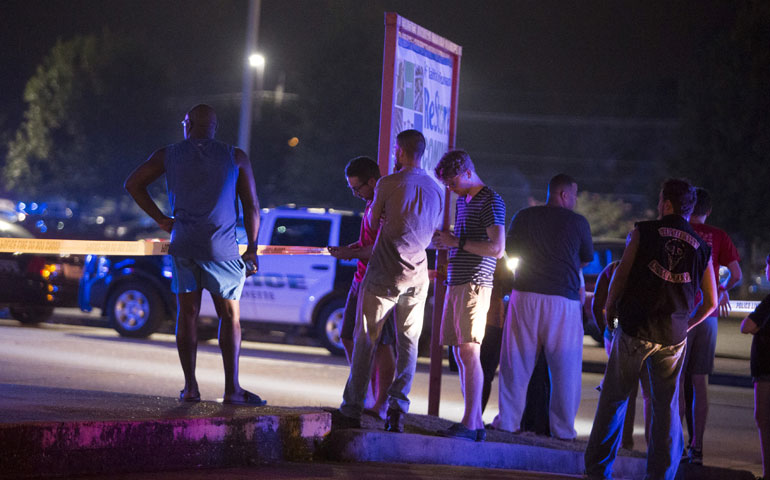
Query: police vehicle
x,y
289,292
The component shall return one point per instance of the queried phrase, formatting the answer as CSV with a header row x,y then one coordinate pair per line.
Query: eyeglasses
x,y
452,182
356,189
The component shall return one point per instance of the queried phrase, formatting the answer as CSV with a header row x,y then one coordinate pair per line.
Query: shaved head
x,y
202,121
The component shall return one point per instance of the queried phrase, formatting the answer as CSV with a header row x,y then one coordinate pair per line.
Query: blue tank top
x,y
201,177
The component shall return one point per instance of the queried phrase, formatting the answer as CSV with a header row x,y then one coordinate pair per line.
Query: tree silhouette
x,y
92,114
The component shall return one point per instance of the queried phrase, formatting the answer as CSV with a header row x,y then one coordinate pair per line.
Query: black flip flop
x,y
195,399
251,400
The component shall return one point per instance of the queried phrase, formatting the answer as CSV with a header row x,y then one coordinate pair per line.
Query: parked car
x,y
290,292
32,285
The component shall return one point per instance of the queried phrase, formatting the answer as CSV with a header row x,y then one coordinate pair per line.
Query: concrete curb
x,y
369,446
84,447
385,447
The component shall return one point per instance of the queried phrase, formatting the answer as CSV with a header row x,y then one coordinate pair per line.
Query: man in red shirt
x,y
362,174
701,340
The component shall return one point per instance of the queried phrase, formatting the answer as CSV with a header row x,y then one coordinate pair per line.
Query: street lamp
x,y
257,60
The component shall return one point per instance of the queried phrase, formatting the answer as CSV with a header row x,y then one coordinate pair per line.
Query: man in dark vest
x,y
652,295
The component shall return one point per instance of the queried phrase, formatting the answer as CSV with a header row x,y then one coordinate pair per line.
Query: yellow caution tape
x,y
137,247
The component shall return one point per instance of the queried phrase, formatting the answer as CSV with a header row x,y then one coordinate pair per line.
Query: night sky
x,y
566,47
544,57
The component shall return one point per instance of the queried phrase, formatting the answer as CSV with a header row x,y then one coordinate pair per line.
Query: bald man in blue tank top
x,y
205,180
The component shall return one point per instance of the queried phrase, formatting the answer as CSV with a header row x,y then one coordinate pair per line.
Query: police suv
x,y
289,292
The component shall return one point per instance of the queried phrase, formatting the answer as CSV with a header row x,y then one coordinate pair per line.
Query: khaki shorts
x,y
465,314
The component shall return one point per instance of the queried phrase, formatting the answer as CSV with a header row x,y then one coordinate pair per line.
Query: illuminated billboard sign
x,y
419,90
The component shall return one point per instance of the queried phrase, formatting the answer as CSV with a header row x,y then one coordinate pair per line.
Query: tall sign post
x,y
420,83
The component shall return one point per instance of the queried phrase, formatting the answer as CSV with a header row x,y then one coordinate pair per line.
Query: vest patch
x,y
667,275
676,233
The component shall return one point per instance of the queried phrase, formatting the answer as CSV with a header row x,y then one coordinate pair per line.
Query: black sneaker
x,y
481,434
393,421
458,430
696,456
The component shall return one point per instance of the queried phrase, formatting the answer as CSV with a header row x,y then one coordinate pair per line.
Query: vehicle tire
x,y
135,310
328,325
30,315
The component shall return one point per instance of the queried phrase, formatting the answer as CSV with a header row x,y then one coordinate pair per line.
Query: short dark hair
x,y
681,194
560,181
412,142
363,168
452,164
703,203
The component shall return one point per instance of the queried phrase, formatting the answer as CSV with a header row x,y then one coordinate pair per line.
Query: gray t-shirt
x,y
410,204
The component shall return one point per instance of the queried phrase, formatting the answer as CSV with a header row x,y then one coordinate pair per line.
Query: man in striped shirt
x,y
478,241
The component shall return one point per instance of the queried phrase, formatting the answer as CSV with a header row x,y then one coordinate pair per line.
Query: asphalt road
x,y
340,471
88,356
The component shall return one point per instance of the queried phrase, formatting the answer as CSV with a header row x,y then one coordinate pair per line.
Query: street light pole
x,y
252,29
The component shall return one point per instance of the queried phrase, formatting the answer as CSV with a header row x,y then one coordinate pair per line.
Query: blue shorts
x,y
224,278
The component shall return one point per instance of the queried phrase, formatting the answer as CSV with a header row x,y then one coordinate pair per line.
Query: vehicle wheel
x,y
329,325
135,310
31,315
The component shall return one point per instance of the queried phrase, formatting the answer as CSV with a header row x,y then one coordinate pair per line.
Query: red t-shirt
x,y
366,238
723,252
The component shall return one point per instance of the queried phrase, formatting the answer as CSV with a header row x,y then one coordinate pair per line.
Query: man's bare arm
x,y
724,297
708,286
350,252
749,326
619,278
247,192
599,300
137,182
494,247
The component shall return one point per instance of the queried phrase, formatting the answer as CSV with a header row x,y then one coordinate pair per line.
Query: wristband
x,y
461,243
721,289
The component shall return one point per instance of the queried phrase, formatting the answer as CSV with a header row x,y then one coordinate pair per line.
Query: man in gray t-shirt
x,y
409,202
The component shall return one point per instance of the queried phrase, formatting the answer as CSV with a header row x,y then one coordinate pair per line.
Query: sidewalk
x,y
50,431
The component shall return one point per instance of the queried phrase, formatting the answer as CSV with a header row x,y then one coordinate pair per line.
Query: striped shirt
x,y
472,219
